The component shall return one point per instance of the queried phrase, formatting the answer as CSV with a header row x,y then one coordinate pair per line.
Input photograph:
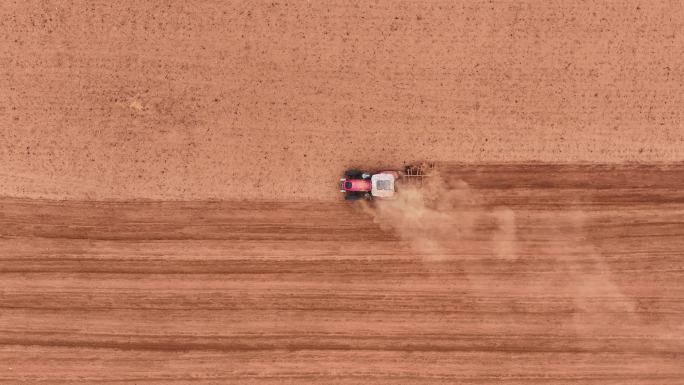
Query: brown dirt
x,y
566,275
121,121
270,100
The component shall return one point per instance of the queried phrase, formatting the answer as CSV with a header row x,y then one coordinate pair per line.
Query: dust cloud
x,y
445,220
434,215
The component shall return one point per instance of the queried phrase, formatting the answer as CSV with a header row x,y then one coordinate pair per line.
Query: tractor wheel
x,y
353,197
353,174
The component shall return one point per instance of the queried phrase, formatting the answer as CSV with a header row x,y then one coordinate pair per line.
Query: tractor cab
x,y
383,185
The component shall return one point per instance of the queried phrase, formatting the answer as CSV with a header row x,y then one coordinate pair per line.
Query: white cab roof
x,y
382,185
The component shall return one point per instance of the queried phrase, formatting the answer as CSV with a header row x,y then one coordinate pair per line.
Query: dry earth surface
x,y
212,99
168,210
545,274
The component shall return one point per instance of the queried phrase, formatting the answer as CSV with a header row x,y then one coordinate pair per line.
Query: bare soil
x,y
563,275
271,100
169,213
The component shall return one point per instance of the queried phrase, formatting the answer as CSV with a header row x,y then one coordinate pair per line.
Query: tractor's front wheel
x,y
353,174
353,197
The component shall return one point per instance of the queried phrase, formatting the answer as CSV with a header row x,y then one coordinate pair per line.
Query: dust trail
x,y
446,219
432,218
504,240
598,300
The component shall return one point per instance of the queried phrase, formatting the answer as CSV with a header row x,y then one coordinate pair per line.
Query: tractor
x,y
358,185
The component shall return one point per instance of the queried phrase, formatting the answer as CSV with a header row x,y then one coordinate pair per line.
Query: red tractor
x,y
357,184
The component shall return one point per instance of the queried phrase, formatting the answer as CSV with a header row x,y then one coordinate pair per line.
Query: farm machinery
x,y
358,184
